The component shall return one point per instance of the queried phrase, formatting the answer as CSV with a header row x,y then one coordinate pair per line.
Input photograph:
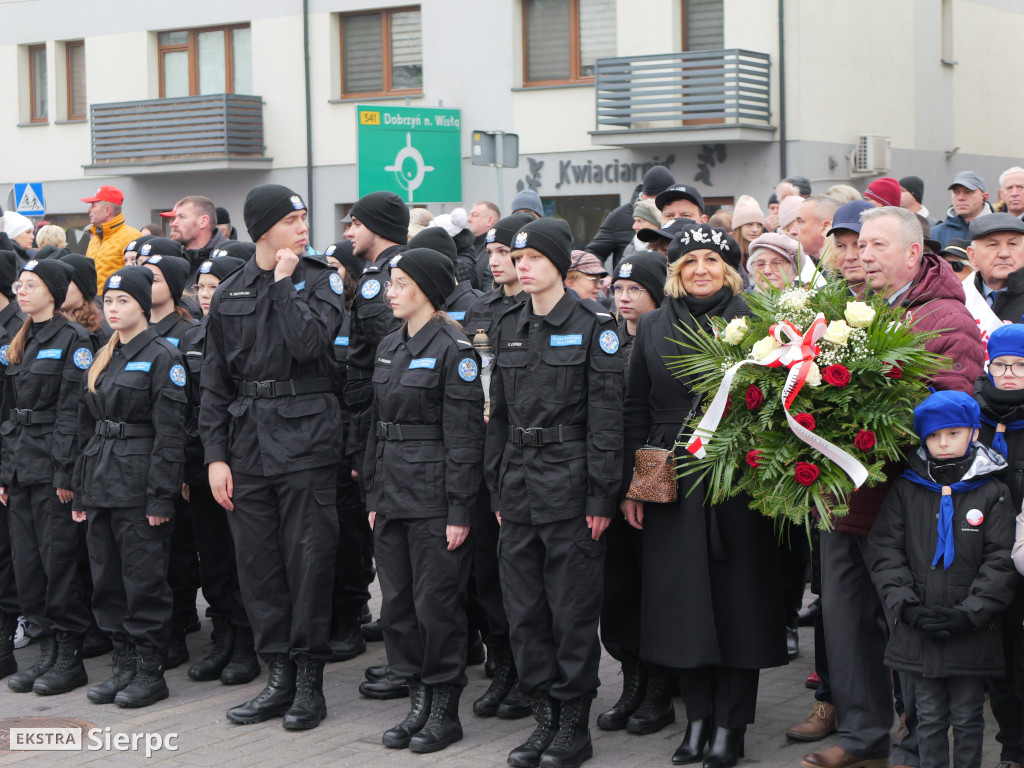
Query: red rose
x,y
836,375
895,372
805,473
865,440
805,420
754,458
755,397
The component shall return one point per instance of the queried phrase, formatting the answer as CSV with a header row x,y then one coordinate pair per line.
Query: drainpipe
x,y
783,171
309,115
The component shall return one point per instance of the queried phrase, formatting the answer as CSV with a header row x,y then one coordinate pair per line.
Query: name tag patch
x,y
423,362
300,285
568,340
457,316
341,341
49,354
139,366
172,340
239,294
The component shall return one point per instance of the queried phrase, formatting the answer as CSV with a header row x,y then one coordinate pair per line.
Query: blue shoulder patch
x,y
609,342
370,289
468,369
178,375
82,358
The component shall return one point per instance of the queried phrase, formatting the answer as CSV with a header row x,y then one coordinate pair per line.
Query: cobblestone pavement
x,y
351,734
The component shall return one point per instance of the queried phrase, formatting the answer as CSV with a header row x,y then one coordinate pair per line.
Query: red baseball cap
x,y
107,194
171,213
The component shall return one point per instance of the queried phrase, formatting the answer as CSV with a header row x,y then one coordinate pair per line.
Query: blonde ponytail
x,y
102,360
16,350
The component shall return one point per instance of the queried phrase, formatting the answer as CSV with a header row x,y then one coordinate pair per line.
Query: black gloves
x,y
949,621
916,614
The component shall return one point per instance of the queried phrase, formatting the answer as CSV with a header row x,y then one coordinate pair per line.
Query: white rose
x,y
838,332
858,314
795,299
764,348
736,330
814,376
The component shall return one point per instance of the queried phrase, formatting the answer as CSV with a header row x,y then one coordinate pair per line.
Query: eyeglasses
x,y
776,265
633,291
399,285
591,278
27,286
1001,369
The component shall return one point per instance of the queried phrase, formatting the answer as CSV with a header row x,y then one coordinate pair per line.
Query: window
x,y
382,53
703,25
37,83
196,62
562,39
74,55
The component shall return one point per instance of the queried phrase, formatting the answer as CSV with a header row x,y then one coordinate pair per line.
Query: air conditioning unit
x,y
872,156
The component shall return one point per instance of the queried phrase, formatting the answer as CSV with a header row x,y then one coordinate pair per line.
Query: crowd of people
x,y
453,405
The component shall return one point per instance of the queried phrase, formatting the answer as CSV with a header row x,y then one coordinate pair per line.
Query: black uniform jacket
x,y
431,379
460,300
560,370
193,345
485,311
173,328
42,446
144,386
261,330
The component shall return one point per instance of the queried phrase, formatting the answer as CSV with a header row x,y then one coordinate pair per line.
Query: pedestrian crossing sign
x,y
29,198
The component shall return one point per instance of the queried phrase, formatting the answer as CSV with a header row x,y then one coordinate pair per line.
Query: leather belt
x,y
272,388
388,431
538,436
26,417
121,430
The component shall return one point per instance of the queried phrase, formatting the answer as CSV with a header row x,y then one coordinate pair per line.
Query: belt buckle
x,y
265,388
22,416
531,436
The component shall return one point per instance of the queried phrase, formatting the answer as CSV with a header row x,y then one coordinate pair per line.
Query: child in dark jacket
x,y
940,558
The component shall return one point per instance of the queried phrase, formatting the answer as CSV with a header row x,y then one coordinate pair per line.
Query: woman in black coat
x,y
712,595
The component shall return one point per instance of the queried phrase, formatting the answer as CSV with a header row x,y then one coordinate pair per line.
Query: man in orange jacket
x,y
110,233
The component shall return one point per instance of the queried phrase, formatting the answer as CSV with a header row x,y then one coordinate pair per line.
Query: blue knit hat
x,y
944,410
1006,340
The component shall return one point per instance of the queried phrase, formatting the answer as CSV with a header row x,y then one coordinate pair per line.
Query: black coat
x,y
712,591
615,234
1009,304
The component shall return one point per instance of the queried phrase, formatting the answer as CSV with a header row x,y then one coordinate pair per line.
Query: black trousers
x,y
131,597
551,578
354,561
623,587
795,553
423,613
183,567
218,572
1006,693
486,575
286,533
8,586
45,545
727,694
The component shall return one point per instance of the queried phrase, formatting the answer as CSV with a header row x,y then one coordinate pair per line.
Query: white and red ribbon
x,y
797,354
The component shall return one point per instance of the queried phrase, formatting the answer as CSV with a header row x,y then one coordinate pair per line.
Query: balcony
x,y
699,96
194,133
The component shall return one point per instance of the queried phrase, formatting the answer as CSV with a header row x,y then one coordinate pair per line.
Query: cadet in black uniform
x,y
42,391
463,294
232,660
269,424
80,305
131,426
422,473
553,461
11,320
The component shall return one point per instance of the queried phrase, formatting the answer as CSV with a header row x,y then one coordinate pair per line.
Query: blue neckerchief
x,y
944,549
999,441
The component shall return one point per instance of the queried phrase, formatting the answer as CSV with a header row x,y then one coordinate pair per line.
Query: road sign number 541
x,y
369,118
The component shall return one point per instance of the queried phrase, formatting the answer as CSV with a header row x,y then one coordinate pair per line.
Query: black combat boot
x,y
272,701
527,754
419,710
68,671
443,725
8,626
501,685
124,671
244,665
656,710
634,685
571,746
223,645
309,707
148,686
22,682
347,640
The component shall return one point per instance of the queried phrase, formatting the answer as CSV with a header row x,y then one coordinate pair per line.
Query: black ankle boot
x,y
419,710
726,748
571,746
124,670
634,685
527,754
148,686
8,626
501,685
347,641
656,710
223,645
244,665
443,725
372,632
22,682
272,701
309,707
67,672
515,705
698,734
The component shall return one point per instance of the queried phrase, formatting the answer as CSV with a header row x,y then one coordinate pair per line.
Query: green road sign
x,y
412,151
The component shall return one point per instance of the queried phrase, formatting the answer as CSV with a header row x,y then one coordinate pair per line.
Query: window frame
x,y
192,48
386,53
69,46
575,65
33,114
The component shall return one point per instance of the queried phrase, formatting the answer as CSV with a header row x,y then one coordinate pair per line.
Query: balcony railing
x,y
680,91
194,128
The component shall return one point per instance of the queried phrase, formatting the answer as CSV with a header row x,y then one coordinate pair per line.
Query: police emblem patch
x,y
626,269
146,248
205,267
491,234
131,246
520,241
178,375
468,370
31,265
609,341
4,359
330,250
337,284
82,358
297,203
114,281
394,260
156,259
370,289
